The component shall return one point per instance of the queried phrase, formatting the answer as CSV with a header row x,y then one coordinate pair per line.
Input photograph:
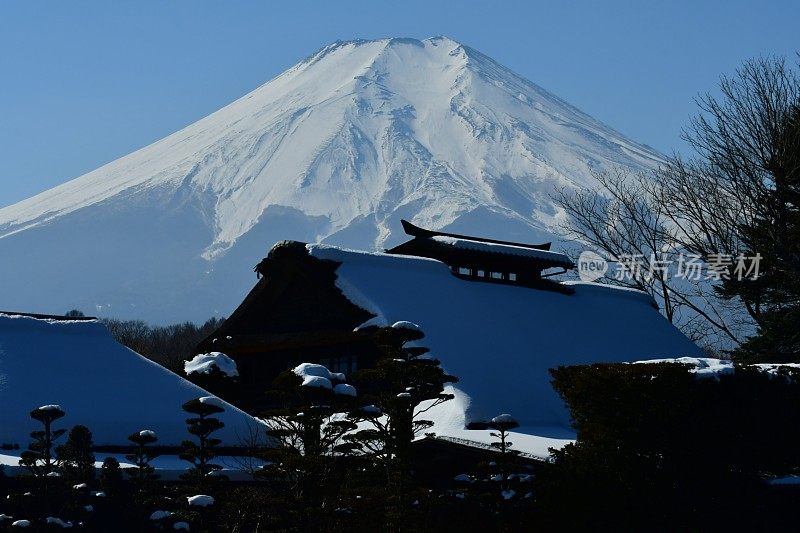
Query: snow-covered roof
x,y
98,382
535,445
709,367
509,249
500,340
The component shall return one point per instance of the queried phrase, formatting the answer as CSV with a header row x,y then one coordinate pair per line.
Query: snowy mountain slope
x,y
336,149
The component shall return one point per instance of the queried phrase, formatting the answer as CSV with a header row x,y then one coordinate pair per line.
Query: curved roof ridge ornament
x,y
416,231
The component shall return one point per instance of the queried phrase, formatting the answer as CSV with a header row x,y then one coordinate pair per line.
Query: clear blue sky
x,y
85,82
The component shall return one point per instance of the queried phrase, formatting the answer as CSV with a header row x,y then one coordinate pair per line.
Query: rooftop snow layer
x,y
500,340
205,363
709,367
97,381
469,244
705,367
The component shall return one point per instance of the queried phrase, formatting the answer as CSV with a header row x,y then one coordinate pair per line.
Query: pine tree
x,y
306,421
76,456
39,458
405,384
111,476
202,425
404,377
500,426
774,234
142,472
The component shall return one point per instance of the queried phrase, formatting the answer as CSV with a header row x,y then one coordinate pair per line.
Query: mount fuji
x,y
336,149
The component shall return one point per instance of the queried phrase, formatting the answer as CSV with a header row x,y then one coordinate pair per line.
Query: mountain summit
x,y
336,149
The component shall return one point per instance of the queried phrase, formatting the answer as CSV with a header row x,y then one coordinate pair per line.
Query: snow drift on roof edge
x,y
99,383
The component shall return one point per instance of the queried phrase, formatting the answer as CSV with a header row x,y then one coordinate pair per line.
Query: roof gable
x,y
99,383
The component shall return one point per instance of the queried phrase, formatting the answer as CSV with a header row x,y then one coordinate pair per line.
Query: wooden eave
x,y
259,344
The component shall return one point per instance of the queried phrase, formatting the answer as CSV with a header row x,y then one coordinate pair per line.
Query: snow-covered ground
x,y
97,382
168,467
501,340
337,149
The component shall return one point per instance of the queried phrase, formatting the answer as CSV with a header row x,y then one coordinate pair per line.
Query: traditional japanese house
x,y
491,311
296,313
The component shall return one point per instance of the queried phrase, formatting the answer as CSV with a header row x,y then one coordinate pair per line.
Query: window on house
x,y
344,364
465,271
481,274
496,275
512,277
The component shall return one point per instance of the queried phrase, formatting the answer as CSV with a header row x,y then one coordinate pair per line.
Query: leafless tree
x,y
623,219
252,443
747,145
747,156
167,345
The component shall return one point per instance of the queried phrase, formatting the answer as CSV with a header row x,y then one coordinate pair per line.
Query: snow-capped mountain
x,y
337,149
